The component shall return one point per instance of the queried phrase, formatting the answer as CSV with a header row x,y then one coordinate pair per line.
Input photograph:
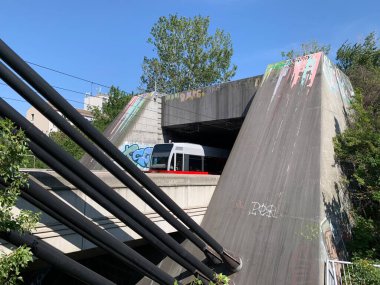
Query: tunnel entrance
x,y
219,133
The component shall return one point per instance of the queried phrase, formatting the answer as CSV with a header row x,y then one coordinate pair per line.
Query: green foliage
x,y
361,63
13,150
67,144
187,56
33,162
220,279
364,273
117,100
11,264
358,151
364,54
365,241
306,48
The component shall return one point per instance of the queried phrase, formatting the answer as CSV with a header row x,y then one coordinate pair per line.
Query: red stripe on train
x,y
178,172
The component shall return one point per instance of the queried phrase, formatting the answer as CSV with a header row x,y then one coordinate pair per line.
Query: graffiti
x,y
128,114
305,68
139,155
186,96
302,70
263,210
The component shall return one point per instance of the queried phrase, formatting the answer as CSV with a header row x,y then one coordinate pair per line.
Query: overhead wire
x,y
138,95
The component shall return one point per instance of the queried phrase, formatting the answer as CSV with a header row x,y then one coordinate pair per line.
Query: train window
x,y
179,162
172,163
160,156
195,163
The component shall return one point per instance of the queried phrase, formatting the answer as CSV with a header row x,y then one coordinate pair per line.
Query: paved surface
x,y
267,206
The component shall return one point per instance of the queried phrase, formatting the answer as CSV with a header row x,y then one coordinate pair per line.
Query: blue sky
x,y
105,41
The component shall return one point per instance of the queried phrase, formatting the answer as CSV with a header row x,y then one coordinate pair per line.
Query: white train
x,y
187,158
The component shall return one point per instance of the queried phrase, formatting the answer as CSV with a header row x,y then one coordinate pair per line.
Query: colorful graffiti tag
x,y
301,70
140,155
185,96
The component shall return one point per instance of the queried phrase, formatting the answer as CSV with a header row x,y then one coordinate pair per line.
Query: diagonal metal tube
x,y
41,139
54,257
64,213
107,204
35,80
28,94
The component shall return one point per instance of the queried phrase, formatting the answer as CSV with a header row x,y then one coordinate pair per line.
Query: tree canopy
x,y
358,148
188,57
117,100
361,63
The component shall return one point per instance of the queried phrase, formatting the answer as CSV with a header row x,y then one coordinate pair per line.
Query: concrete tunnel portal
x,y
221,133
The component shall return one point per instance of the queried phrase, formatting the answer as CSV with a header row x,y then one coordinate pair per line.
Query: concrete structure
x,y
191,192
44,125
135,130
278,204
94,101
225,101
210,116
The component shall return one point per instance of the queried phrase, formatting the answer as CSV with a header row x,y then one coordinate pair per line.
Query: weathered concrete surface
x,y
191,192
135,130
221,102
276,199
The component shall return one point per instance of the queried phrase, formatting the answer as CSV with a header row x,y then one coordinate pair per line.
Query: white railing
x,y
339,272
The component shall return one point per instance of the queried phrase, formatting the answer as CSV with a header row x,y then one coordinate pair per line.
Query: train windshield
x,y
160,156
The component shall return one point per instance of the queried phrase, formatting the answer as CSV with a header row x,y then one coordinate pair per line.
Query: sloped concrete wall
x,y
335,206
135,130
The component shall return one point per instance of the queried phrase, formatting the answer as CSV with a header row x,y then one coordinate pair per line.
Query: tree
x,y
117,100
361,63
187,56
67,144
306,48
13,150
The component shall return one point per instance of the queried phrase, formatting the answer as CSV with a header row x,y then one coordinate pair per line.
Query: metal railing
x,y
339,272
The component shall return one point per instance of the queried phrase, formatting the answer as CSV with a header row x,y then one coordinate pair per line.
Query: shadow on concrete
x,y
337,215
78,203
102,263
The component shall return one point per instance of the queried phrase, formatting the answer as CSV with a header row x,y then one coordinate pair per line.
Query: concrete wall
x,y
135,130
225,101
192,193
335,217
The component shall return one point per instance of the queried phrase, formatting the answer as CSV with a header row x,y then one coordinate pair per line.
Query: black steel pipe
x,y
28,94
71,177
41,139
30,198
95,233
35,80
54,257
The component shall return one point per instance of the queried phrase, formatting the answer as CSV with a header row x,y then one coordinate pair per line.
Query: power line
x,y
92,82
67,74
